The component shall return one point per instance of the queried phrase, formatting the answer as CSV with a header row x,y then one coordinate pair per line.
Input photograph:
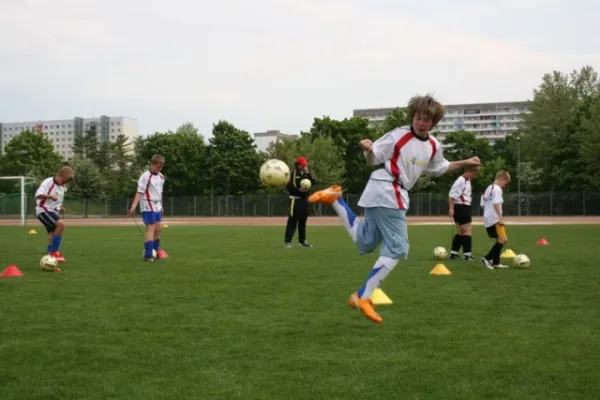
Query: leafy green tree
x,y
103,159
325,161
234,162
463,145
185,160
86,146
398,117
89,182
30,154
588,142
552,137
126,172
346,135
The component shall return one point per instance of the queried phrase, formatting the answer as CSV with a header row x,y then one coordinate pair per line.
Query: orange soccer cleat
x,y
365,306
326,196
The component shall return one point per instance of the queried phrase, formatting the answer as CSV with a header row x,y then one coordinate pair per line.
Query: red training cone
x,y
161,253
542,242
11,271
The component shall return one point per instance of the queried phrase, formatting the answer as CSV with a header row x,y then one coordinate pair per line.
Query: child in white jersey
x,y
49,198
459,209
149,196
493,219
401,156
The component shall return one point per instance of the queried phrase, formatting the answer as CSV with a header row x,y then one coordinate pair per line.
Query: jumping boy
x,y
48,202
149,196
493,219
400,157
459,206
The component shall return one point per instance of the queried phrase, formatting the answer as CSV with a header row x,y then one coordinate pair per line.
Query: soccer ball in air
x,y
440,253
154,254
521,261
48,263
274,173
305,184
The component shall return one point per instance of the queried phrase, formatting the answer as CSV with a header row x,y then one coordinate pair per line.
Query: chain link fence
x,y
421,204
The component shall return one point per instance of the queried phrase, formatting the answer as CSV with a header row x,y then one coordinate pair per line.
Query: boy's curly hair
x,y
426,105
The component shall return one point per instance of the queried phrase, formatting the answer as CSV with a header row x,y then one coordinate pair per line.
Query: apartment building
x,y
62,132
490,121
264,139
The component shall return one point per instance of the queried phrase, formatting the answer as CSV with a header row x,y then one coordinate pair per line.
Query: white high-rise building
x,y
490,121
63,132
264,139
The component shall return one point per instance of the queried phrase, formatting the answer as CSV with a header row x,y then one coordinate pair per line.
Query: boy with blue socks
x,y
149,196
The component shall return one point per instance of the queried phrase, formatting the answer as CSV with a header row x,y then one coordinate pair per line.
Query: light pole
x,y
519,171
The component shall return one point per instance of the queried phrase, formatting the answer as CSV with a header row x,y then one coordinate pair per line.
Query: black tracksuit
x,y
298,206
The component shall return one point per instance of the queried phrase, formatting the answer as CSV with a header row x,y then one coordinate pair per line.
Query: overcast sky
x,y
277,64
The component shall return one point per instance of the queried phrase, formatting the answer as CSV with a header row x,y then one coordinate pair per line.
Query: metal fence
x,y
421,204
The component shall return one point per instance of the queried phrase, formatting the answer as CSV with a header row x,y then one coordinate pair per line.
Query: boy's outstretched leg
x,y
333,196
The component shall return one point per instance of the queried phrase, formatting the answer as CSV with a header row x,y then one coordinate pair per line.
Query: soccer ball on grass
x,y
521,261
48,263
440,253
274,173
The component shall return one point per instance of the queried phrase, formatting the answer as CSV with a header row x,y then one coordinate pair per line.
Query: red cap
x,y
301,161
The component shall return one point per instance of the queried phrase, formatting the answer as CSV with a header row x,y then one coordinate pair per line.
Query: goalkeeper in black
x,y
298,203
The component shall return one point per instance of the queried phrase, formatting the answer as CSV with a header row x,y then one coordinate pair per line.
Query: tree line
x,y
555,148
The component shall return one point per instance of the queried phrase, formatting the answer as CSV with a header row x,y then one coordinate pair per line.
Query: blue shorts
x,y
385,227
151,217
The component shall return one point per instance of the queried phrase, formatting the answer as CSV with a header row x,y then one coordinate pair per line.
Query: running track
x,y
281,221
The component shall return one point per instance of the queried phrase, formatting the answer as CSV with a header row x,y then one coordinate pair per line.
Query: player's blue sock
x,y
347,216
55,243
148,247
49,248
156,244
382,268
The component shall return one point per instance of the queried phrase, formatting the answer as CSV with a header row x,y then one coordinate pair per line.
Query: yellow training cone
x,y
440,269
508,253
379,297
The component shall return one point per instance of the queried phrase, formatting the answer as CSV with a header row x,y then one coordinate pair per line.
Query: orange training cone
x,y
542,242
11,271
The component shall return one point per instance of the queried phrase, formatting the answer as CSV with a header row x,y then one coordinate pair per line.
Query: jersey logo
x,y
414,161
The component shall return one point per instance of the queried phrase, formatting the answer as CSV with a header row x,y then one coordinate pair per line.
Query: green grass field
x,y
233,315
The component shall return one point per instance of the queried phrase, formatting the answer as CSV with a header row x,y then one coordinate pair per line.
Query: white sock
x,y
382,268
347,216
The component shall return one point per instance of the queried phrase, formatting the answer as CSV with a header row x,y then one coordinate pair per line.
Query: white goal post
x,y
23,180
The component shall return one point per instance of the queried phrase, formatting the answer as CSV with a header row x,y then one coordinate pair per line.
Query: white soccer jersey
x,y
461,191
49,186
491,196
405,156
150,186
